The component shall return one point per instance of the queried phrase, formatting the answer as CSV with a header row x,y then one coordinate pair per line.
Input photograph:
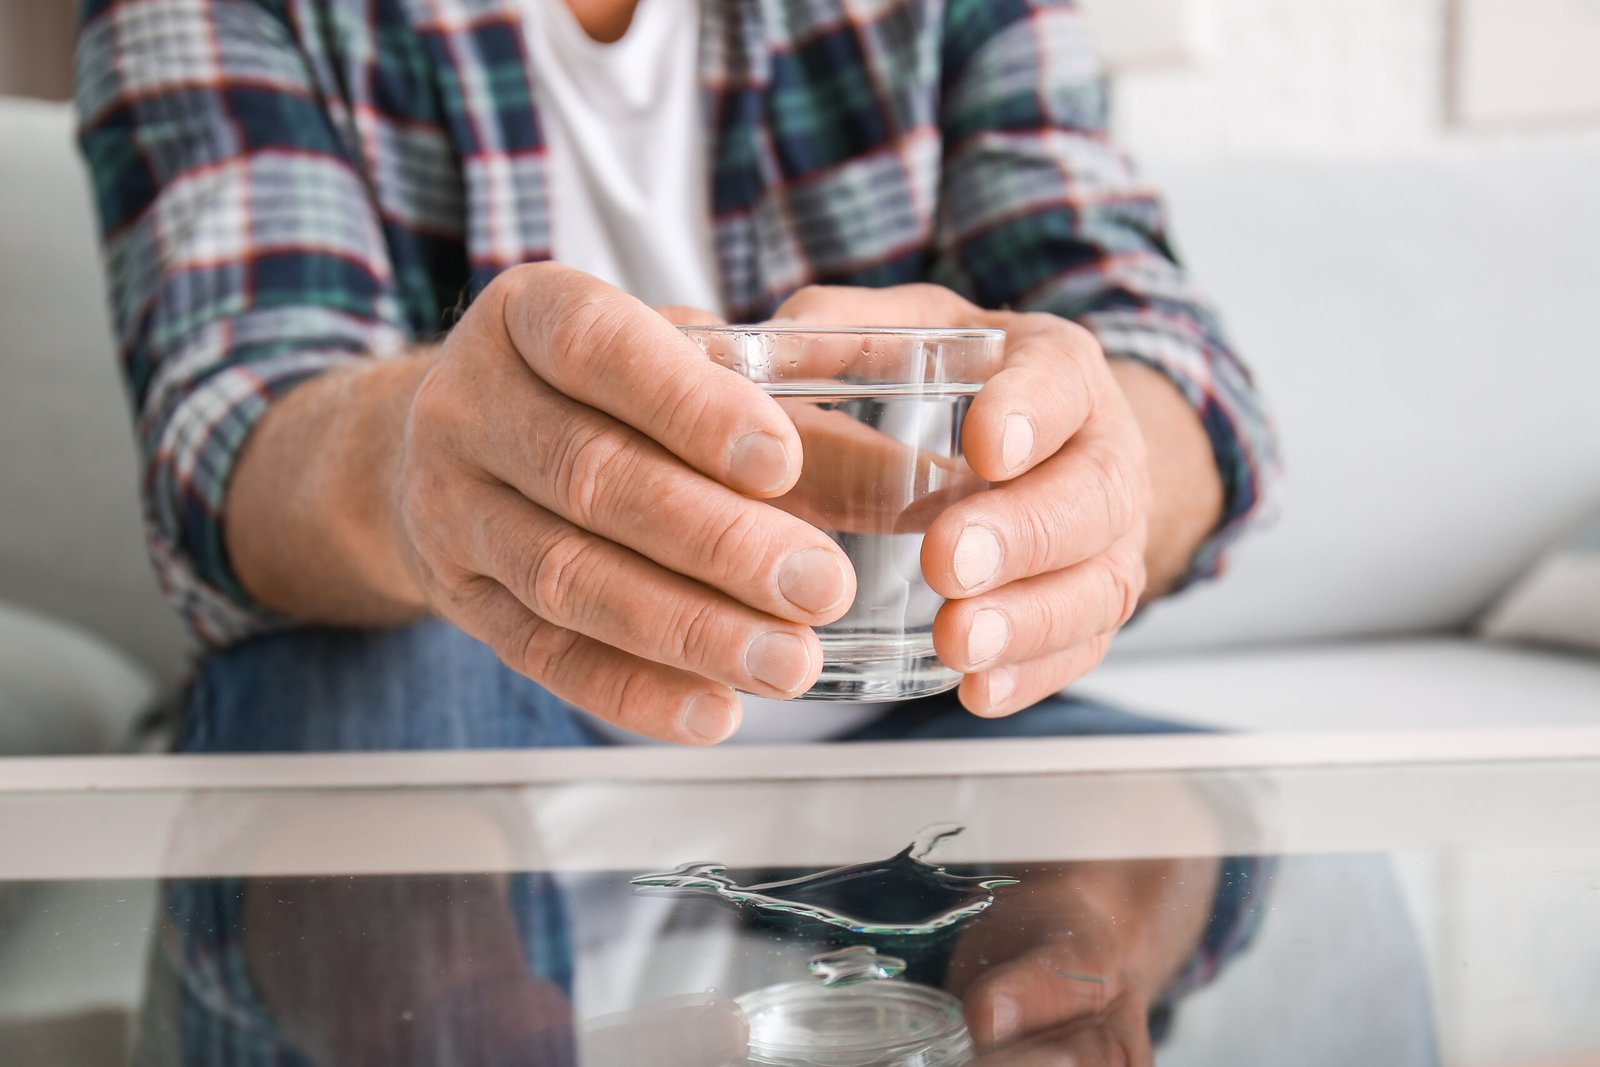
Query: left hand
x,y
1043,569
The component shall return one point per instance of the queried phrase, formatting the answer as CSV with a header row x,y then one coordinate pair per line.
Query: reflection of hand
x,y
574,488
1044,568
422,970
400,970
1064,968
1060,1004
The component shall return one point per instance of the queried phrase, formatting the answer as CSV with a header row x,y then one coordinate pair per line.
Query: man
x,y
351,510
288,194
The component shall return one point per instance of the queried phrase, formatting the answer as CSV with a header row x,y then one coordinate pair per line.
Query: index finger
x,y
1039,991
1046,392
600,346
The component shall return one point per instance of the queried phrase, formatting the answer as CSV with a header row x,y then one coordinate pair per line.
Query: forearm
x,y
1186,487
309,518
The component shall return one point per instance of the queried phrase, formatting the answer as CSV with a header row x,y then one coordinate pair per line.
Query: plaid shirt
x,y
287,186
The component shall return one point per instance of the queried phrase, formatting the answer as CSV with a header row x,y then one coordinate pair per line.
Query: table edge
x,y
890,759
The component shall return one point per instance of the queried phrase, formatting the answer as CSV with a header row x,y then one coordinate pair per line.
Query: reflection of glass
x,y
878,1023
880,415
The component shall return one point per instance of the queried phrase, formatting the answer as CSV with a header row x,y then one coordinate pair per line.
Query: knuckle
x,y
501,291
592,467
1082,340
522,293
1042,322
680,408
810,294
455,593
1096,649
435,402
1119,490
1079,390
420,496
806,300
1043,540
424,512
538,649
1056,618
1072,334
515,280
631,697
1125,579
583,326
734,543
556,576
940,296
695,625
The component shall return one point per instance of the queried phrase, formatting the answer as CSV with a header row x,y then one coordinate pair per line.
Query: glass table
x,y
1394,899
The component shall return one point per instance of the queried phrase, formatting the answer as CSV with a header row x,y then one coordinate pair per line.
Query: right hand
x,y
579,487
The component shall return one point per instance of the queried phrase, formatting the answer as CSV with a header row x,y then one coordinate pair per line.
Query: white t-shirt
x,y
628,156
630,194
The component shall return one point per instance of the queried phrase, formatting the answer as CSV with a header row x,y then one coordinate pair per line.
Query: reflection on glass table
x,y
1208,902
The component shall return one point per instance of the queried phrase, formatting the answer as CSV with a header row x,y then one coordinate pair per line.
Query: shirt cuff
x,y
1243,439
190,455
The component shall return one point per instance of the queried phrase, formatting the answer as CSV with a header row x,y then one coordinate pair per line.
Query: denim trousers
x,y
431,686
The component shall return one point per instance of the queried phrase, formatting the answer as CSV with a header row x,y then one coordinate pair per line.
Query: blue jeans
x,y
430,686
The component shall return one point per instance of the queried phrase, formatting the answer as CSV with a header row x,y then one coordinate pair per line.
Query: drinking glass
x,y
880,414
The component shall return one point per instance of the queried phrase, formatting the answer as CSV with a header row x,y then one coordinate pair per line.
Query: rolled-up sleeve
x,y
1041,212
242,252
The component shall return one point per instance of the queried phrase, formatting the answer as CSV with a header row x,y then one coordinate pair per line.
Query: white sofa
x,y
70,543
1425,329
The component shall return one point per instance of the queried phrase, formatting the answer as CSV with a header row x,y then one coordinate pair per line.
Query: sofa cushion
x,y
71,543
1422,327
63,690
1444,683
1558,601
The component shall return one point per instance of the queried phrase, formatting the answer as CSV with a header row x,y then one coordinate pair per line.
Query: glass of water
x,y
880,414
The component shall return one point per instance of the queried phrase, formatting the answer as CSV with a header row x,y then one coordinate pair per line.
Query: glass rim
x,y
975,333
937,1004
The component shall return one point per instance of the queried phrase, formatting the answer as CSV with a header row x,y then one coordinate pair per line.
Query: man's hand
x,y
1068,971
1044,568
572,481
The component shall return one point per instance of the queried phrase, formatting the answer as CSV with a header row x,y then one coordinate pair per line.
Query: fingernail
x,y
758,463
1007,1019
988,637
779,660
977,556
1016,443
708,718
812,580
1001,684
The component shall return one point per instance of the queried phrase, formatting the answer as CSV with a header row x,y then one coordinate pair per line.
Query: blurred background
x,y
1396,203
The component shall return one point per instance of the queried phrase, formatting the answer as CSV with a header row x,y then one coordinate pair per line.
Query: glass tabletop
x,y
1423,899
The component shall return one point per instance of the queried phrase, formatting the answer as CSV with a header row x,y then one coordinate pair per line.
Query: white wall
x,y
1358,77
